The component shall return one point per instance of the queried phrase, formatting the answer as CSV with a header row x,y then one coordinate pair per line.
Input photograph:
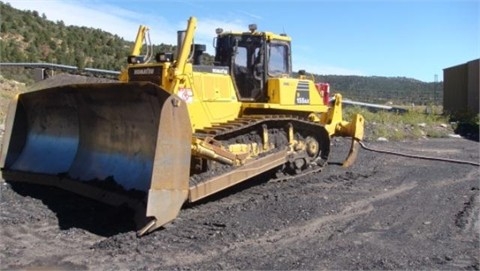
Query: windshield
x,y
247,54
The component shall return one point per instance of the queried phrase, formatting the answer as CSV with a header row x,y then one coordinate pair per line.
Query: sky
x,y
405,38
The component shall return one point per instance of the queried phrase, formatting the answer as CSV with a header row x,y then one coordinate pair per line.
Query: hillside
x,y
27,36
377,89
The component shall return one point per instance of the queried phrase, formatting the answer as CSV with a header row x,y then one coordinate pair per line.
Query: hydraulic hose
x,y
420,156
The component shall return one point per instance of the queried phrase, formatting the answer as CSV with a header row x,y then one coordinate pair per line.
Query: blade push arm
x,y
336,126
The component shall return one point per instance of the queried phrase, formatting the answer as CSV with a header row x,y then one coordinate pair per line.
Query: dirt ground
x,y
384,212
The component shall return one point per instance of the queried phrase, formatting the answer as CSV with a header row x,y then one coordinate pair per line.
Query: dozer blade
x,y
113,136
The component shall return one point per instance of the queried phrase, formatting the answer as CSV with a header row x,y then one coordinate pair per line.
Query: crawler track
x,y
249,129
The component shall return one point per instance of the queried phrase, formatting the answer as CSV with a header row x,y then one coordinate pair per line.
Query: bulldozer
x,y
173,130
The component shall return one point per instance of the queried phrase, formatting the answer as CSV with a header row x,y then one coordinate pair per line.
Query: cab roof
x,y
267,35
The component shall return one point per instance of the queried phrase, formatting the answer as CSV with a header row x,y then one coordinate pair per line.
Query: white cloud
x,y
251,15
124,22
109,18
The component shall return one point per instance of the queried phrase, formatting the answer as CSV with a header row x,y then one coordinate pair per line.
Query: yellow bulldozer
x,y
173,130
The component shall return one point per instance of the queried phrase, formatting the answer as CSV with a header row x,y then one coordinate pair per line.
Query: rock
x,y
443,125
383,139
454,136
422,124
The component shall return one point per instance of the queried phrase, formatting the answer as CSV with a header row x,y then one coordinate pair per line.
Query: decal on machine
x,y
302,95
146,71
186,94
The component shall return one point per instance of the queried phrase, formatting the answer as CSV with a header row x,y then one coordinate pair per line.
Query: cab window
x,y
241,57
278,59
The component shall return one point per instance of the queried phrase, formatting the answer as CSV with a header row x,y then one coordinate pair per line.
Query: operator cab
x,y
253,58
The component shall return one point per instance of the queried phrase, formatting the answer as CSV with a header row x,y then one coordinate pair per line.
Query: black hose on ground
x,y
420,156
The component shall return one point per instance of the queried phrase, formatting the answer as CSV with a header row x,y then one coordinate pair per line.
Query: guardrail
x,y
42,68
372,107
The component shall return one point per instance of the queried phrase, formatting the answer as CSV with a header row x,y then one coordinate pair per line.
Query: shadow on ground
x,y
74,211
468,130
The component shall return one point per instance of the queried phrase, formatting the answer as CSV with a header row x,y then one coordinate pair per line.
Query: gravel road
x,y
384,212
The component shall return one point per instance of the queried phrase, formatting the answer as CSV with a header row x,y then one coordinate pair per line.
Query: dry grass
x,y
8,90
416,123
